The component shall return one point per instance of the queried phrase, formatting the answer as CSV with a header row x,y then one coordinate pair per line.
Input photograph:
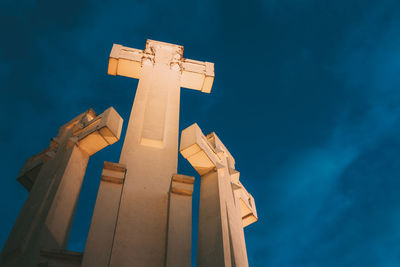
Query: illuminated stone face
x,y
54,178
91,133
178,247
152,196
225,205
126,61
143,210
101,232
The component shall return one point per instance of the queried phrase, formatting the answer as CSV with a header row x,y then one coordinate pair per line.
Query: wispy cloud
x,y
307,205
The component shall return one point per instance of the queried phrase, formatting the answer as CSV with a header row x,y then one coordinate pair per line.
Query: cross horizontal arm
x,y
100,132
197,75
244,201
29,172
126,61
91,132
206,153
198,151
197,148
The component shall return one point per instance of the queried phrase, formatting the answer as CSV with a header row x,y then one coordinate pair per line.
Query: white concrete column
x,y
179,227
212,251
55,232
221,237
101,233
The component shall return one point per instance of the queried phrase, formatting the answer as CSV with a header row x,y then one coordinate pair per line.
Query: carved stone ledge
x,y
113,172
182,185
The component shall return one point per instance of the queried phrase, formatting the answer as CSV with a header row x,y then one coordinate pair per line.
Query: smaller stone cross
x,y
225,206
54,178
92,133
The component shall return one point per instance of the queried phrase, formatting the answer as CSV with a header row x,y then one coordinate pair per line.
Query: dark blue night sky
x,y
306,98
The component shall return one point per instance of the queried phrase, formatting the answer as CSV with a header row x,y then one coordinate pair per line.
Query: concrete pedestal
x,y
101,234
179,227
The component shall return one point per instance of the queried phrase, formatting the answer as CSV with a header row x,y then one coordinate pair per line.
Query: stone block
x,y
197,150
245,203
182,184
197,75
100,132
125,61
113,172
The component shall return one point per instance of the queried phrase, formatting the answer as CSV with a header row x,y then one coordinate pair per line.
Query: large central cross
x,y
150,149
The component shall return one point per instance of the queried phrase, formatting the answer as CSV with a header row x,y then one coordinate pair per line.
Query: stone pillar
x,y
59,219
220,237
179,227
150,149
211,248
46,217
101,234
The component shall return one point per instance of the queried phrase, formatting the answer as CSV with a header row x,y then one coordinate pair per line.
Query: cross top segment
x,y
91,132
126,61
207,153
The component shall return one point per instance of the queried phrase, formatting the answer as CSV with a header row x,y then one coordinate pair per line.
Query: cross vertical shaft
x,y
150,153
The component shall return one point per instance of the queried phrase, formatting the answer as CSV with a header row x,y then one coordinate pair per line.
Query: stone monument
x,y
137,231
225,205
54,178
143,211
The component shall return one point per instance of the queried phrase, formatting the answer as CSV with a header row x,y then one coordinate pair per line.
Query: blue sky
x,y
306,97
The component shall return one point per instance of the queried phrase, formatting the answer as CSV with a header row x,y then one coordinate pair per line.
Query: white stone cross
x,y
150,154
92,134
54,178
225,205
